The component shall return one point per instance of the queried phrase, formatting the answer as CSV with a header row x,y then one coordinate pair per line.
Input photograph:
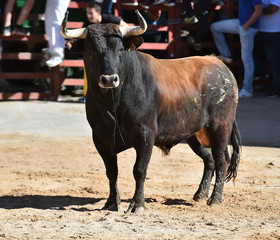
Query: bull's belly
x,y
175,134
173,128
169,140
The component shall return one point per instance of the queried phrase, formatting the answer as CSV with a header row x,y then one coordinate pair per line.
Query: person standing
x,y
54,14
269,38
202,19
246,26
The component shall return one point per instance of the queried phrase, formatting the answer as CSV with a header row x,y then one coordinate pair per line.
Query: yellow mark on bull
x,y
222,98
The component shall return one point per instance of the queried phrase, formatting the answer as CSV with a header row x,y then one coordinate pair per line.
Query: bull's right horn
x,y
135,30
79,33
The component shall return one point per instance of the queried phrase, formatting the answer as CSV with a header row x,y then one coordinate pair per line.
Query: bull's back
x,y
191,77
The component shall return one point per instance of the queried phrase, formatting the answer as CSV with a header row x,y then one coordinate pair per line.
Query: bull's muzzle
x,y
109,81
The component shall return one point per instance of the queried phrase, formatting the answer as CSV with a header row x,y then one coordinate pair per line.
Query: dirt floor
x,y
53,181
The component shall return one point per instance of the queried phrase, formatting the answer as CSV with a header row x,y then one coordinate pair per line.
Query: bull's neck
x,y
108,99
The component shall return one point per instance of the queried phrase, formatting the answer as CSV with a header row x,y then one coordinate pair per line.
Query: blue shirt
x,y
245,11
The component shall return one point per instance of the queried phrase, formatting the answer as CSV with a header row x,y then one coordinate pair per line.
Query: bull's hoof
x,y
200,196
111,207
134,209
213,202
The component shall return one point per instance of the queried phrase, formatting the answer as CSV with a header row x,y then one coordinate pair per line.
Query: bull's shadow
x,y
45,202
170,201
60,202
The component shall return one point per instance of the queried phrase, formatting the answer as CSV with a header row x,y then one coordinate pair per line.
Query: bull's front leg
x,y
143,147
113,200
110,161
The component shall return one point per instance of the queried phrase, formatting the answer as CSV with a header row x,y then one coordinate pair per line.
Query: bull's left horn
x,y
135,30
79,33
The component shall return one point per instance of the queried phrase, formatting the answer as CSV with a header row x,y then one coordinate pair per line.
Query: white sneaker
x,y
54,61
244,93
7,31
225,59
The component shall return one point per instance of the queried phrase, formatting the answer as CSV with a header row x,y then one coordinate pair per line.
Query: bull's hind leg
x,y
209,167
110,161
219,141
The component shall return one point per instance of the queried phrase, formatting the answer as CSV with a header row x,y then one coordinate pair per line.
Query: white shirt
x,y
270,22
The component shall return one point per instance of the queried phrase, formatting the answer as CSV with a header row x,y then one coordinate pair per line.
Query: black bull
x,y
137,101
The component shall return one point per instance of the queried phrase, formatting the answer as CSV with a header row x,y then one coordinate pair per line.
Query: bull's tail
x,y
235,141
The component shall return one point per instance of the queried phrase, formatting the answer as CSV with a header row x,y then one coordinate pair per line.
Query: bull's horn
x,y
135,30
79,33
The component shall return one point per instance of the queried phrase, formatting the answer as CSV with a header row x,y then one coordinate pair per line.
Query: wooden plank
x,y
32,16
75,24
158,28
72,63
21,56
151,7
154,46
73,82
26,75
31,38
27,96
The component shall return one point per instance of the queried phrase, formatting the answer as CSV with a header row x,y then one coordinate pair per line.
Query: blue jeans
x,y
247,44
107,6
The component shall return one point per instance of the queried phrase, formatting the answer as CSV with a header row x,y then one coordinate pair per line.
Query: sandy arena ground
x,y
53,181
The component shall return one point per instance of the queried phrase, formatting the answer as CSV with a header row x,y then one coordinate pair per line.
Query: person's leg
x,y
218,29
271,46
50,5
107,6
187,6
203,13
18,28
259,57
54,14
8,12
247,46
25,11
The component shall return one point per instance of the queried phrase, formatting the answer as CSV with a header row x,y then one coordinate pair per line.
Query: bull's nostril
x,y
115,79
104,81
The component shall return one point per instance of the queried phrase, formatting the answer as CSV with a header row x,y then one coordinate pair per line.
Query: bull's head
x,y
103,47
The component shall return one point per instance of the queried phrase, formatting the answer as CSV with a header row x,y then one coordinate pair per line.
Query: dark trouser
x,y
270,43
203,13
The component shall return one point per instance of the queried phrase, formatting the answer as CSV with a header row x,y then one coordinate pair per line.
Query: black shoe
x,y
275,92
20,30
190,20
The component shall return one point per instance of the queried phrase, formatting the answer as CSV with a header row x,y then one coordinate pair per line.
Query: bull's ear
x,y
132,43
75,45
